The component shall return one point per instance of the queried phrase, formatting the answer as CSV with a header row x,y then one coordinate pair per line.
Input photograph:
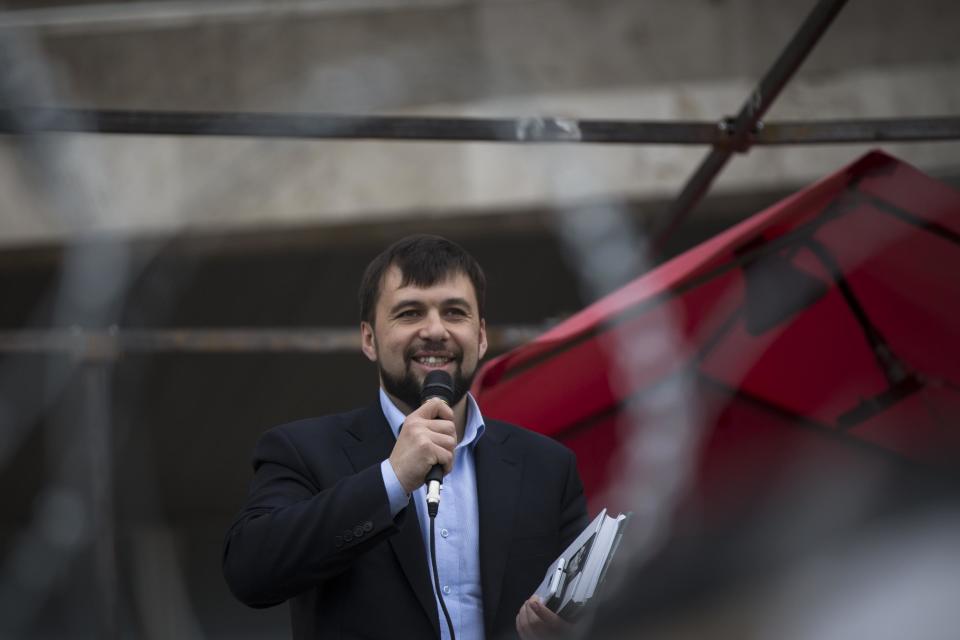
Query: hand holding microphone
x,y
428,435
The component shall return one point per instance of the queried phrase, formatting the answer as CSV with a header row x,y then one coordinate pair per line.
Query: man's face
x,y
417,330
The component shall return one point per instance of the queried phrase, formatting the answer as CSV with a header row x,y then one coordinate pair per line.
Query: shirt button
x,y
446,590
444,533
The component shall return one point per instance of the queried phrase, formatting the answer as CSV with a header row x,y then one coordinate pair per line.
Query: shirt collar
x,y
471,433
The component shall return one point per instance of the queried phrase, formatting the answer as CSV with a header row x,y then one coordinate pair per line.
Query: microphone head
x,y
437,384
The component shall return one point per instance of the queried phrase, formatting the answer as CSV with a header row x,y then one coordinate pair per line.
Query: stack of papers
x,y
573,578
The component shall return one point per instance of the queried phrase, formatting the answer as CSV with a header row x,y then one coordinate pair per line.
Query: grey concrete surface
x,y
649,59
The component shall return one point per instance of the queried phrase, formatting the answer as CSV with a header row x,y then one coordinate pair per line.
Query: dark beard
x,y
406,388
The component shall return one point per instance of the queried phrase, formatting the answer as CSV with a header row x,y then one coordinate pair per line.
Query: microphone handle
x,y
435,473
434,479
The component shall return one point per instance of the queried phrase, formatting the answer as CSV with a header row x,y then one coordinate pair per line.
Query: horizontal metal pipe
x,y
113,343
857,131
274,125
511,130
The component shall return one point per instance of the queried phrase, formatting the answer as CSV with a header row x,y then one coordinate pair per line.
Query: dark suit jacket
x,y
316,528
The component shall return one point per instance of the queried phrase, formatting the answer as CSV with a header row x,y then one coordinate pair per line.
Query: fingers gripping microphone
x,y
437,384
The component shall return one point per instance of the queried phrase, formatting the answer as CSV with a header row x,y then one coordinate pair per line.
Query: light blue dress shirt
x,y
457,525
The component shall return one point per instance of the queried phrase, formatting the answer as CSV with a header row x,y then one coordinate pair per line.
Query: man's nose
x,y
433,327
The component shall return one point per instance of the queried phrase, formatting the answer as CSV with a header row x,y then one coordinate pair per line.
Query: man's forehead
x,y
456,281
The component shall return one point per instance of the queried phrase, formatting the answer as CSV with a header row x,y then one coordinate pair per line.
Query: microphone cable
x,y
436,574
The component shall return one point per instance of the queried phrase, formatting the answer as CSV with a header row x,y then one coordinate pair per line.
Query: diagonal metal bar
x,y
750,113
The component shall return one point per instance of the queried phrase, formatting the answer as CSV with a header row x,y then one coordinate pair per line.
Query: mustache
x,y
440,347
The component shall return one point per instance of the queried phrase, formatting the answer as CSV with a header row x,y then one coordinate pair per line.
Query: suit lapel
x,y
498,470
374,442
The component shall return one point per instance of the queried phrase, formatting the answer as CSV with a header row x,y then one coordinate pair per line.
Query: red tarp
x,y
826,325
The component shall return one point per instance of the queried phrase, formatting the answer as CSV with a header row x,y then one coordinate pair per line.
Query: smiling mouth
x,y
433,361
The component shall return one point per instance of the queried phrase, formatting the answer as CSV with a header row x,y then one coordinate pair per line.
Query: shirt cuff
x,y
397,497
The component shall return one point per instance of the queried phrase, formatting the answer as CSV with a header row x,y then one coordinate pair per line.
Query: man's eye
x,y
456,312
408,313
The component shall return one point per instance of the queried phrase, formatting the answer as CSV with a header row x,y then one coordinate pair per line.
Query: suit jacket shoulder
x,y
324,447
528,438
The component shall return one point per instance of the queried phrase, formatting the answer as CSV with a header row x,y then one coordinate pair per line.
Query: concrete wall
x,y
650,59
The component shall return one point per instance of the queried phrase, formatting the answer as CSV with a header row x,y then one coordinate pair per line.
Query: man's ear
x,y
483,339
368,341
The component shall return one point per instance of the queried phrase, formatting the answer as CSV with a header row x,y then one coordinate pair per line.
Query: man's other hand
x,y
536,622
427,437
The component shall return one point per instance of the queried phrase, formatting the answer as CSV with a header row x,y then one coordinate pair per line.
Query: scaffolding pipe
x,y
510,130
113,343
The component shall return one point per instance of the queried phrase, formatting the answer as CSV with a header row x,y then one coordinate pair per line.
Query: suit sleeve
x,y
292,534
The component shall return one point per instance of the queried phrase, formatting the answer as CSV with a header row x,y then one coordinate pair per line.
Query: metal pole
x,y
26,120
858,131
114,343
750,113
529,130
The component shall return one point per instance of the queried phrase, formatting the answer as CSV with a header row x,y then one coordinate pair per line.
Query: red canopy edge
x,y
687,266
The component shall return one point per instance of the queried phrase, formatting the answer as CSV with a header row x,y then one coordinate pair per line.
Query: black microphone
x,y
437,384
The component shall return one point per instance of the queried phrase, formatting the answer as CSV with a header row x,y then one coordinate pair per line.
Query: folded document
x,y
573,578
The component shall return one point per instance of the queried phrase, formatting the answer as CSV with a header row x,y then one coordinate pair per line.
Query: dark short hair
x,y
423,260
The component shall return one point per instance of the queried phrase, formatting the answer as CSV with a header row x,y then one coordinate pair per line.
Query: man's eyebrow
x,y
457,302
402,304
418,304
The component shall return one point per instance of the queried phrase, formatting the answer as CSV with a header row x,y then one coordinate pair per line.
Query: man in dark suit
x,y
335,522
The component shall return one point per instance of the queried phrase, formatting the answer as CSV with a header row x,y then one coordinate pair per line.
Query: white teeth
x,y
433,360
